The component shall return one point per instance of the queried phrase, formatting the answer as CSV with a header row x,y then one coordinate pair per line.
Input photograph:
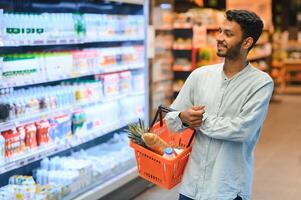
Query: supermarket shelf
x,y
182,47
43,42
109,69
51,47
51,149
277,64
295,79
182,68
293,44
292,90
292,61
34,117
98,190
59,111
164,28
27,158
26,162
47,42
257,57
182,26
140,2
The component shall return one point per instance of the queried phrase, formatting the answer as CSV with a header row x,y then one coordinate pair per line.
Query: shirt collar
x,y
244,70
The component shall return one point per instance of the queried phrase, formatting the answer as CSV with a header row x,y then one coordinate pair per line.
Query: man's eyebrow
x,y
227,30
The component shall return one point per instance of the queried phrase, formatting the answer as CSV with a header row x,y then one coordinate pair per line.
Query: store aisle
x,y
277,156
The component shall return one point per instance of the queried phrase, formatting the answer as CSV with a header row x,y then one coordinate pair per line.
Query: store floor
x,y
277,170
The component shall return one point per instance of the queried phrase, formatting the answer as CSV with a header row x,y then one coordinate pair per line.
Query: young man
x,y
226,104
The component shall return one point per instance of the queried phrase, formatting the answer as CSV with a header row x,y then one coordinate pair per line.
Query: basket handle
x,y
159,112
165,109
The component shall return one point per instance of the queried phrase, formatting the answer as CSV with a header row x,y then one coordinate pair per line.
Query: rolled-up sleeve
x,y
243,127
174,122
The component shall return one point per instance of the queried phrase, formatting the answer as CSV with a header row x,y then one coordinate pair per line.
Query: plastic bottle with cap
x,y
169,153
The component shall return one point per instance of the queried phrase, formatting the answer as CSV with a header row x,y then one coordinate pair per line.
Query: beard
x,y
231,53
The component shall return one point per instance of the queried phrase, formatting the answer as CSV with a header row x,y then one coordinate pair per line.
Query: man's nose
x,y
220,37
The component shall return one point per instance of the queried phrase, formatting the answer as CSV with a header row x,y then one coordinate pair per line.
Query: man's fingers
x,y
197,113
195,118
192,116
198,107
200,119
196,124
196,121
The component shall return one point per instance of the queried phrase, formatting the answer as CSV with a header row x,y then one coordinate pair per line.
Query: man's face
x,y
229,40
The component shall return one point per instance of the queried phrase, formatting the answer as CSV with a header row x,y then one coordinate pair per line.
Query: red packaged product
x,y
42,132
12,142
30,137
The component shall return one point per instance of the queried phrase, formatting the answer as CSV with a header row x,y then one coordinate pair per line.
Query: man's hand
x,y
193,117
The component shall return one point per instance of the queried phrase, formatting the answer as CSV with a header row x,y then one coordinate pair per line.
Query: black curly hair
x,y
251,25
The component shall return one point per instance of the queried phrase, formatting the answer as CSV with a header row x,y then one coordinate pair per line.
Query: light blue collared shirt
x,y
220,166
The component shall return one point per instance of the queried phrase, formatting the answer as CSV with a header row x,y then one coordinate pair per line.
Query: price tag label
x,y
63,41
9,166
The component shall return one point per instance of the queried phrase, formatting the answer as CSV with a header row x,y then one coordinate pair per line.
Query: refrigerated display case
x,y
73,74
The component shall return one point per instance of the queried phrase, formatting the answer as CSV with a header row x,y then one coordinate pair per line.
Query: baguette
x,y
154,142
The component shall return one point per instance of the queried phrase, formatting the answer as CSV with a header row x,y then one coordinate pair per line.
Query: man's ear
x,y
248,42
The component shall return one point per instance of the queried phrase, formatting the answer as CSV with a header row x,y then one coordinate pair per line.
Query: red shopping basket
x,y
164,172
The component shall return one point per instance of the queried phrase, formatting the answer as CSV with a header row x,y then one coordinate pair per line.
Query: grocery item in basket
x,y
154,142
178,150
169,153
135,132
141,136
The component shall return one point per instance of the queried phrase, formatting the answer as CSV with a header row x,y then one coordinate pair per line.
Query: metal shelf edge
x,y
139,2
76,42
